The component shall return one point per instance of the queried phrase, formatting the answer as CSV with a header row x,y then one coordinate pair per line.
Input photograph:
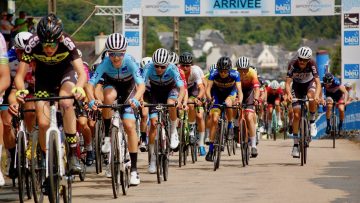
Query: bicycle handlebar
x,y
113,106
49,98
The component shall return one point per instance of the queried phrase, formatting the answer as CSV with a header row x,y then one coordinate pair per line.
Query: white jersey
x,y
195,77
3,51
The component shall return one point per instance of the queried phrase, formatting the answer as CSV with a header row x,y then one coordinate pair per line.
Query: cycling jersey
x,y
52,71
302,75
273,95
183,77
168,80
333,91
3,51
249,80
223,87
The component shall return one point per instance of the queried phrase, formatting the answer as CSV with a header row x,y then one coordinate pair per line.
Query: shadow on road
x,y
343,176
8,194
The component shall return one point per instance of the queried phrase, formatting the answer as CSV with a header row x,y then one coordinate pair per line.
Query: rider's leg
x,y
174,139
341,115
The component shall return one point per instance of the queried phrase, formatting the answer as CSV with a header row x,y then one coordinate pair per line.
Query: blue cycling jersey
x,y
12,55
169,79
129,70
224,83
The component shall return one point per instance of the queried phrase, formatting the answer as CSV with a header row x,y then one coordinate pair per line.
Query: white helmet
x,y
274,85
145,61
243,63
21,39
174,58
267,82
304,53
161,57
116,42
282,85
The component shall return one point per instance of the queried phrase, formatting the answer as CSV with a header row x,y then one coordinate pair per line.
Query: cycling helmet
x,y
274,85
347,84
282,85
21,39
212,68
261,80
224,63
79,52
49,29
145,61
304,53
161,57
186,58
116,42
243,63
267,82
328,78
174,58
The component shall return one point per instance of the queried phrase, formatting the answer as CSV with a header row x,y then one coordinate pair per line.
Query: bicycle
x,y
99,135
304,130
183,137
22,163
274,124
162,140
56,167
333,120
285,124
119,156
243,136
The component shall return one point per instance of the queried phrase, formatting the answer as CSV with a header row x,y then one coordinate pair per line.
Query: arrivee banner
x,y
350,44
237,7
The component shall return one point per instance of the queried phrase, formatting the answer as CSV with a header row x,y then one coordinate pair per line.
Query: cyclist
x,y
164,85
121,74
222,87
334,91
274,94
144,112
55,55
5,83
15,54
250,89
196,91
262,99
303,72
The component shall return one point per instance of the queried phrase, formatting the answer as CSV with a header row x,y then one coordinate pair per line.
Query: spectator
x,y
21,24
351,92
6,26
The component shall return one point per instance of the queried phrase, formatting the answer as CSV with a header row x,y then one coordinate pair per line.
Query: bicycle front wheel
x,y
53,167
218,145
125,169
302,141
98,140
37,169
115,162
334,129
166,156
157,149
241,140
21,165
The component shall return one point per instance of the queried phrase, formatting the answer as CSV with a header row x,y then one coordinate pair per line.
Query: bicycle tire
x,y
228,145
53,164
233,146
165,157
81,148
182,142
274,123
21,165
67,189
157,153
241,140
125,173
285,125
334,124
114,165
220,139
302,140
28,184
98,140
37,170
193,152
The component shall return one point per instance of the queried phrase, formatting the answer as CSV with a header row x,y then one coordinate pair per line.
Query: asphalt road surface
x,y
330,175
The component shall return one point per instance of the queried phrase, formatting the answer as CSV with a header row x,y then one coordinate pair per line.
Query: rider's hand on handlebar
x,y
14,109
21,94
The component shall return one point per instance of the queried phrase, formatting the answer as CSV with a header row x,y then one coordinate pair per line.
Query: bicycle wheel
x,y
21,165
82,152
157,151
165,156
302,140
285,125
37,169
218,145
334,129
193,152
233,143
115,161
228,144
53,167
182,142
66,190
98,140
274,123
125,169
241,140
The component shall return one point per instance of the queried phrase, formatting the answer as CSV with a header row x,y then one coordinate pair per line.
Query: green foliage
x,y
335,55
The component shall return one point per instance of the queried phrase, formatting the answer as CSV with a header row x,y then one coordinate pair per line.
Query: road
x,y
331,175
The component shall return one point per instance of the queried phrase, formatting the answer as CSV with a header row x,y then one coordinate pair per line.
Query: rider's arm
x,y
239,91
79,68
201,90
90,86
208,89
20,75
318,87
287,85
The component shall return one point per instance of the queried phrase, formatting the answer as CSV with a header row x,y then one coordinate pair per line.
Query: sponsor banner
x,y
350,44
238,7
132,27
351,121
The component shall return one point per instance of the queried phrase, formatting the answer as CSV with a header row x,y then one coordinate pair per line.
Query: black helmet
x,y
49,28
328,78
186,59
224,63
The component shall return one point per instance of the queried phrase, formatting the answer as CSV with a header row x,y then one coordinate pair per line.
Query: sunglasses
x,y
223,71
162,67
49,44
118,54
303,60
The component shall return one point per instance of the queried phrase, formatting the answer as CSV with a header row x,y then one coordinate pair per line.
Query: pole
x,y
144,33
176,35
52,6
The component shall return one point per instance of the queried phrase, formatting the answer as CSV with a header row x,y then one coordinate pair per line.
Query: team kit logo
x,y
351,38
351,20
282,6
192,6
351,71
